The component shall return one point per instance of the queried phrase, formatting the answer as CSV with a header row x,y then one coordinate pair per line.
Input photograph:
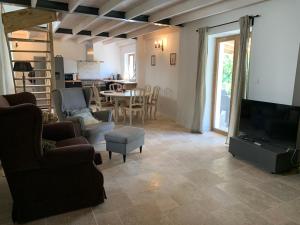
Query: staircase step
x,y
43,99
30,51
38,29
40,92
34,78
33,61
33,85
28,40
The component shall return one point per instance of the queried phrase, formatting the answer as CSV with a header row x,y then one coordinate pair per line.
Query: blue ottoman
x,y
124,140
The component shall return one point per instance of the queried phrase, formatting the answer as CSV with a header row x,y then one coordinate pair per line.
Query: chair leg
x,y
143,116
124,114
141,149
109,153
155,110
124,158
130,118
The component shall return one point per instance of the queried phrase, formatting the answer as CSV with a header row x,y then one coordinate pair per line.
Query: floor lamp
x,y
23,66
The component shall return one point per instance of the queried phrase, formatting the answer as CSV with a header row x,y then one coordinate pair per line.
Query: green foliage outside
x,y
227,73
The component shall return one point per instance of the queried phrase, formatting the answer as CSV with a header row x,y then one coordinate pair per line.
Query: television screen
x,y
269,122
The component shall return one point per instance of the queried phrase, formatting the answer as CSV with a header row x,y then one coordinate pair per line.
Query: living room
x,y
150,112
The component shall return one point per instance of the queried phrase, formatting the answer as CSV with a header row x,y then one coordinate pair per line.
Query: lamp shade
x,y
22,66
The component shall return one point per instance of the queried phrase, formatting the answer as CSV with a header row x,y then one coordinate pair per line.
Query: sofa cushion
x,y
71,141
99,128
86,115
125,134
3,102
72,99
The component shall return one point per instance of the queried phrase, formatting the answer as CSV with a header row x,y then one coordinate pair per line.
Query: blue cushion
x,y
125,135
72,99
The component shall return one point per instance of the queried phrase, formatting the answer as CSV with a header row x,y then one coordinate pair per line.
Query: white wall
x,y
163,74
71,51
127,46
110,54
275,44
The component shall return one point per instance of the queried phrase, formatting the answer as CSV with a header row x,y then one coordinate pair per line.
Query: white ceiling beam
x,y
97,39
146,30
82,39
112,40
127,28
108,6
146,6
222,7
33,3
83,24
107,27
181,8
73,4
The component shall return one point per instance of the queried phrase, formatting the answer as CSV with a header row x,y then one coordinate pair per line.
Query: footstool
x,y
124,140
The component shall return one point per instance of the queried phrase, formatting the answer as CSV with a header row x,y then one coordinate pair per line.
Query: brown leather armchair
x,y
45,183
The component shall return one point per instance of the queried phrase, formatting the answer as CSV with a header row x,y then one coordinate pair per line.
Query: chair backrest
x,y
115,86
20,132
137,97
67,100
155,94
147,88
96,97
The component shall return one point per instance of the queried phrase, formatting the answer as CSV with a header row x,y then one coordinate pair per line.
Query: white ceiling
x,y
177,11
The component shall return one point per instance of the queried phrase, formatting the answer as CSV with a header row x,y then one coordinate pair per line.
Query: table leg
x,y
116,109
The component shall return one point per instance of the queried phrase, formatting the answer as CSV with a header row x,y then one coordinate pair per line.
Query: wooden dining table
x,y
118,96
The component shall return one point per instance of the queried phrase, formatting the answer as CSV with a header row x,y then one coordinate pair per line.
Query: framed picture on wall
x,y
172,58
153,60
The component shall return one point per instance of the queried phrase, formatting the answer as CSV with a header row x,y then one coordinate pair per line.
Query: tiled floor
x,y
183,179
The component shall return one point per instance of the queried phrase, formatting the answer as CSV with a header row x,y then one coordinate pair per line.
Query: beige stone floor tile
x,y
188,214
182,179
279,190
237,215
110,218
144,214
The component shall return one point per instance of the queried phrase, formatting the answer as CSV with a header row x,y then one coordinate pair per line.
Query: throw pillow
x,y
86,115
48,145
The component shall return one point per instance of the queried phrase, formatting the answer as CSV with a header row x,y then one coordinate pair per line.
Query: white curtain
x,y
241,77
6,80
197,126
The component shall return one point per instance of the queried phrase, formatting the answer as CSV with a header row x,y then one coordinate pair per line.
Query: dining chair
x,y
153,101
148,89
115,87
136,104
99,104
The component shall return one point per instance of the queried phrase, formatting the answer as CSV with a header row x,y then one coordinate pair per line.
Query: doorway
x,y
226,55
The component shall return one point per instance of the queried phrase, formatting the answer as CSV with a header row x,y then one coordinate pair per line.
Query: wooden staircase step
x,y
30,51
33,61
34,78
28,40
40,92
33,85
37,29
43,99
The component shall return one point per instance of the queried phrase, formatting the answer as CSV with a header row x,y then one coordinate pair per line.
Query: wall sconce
x,y
159,44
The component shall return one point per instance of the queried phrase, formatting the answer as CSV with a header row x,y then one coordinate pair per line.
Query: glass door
x,y
225,66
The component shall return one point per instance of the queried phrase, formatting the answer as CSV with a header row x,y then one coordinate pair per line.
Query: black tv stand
x,y
274,159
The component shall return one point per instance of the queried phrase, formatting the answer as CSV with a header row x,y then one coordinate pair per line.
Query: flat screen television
x,y
270,123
